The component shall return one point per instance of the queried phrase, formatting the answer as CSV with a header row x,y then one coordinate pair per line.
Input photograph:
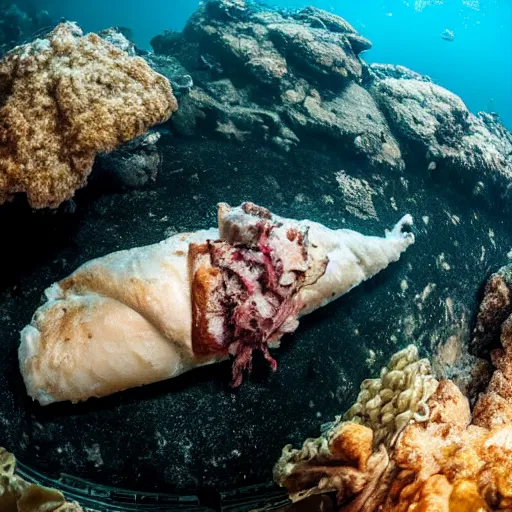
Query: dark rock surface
x,y
297,79
193,432
133,165
171,68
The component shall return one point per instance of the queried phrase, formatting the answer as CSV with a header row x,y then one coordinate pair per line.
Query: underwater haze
x,y
171,207
476,65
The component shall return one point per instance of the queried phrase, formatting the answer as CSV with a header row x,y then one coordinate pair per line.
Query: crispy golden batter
x,y
65,98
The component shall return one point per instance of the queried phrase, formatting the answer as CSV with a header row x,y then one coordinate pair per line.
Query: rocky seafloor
x,y
278,108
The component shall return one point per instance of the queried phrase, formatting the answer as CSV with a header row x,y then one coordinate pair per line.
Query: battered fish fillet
x,y
151,313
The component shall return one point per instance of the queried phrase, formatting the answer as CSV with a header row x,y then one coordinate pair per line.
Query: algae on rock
x,y
65,98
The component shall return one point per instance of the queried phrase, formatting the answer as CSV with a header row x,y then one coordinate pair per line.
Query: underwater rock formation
x,y
119,40
285,78
434,122
449,459
65,98
171,68
297,78
383,71
495,308
17,495
133,165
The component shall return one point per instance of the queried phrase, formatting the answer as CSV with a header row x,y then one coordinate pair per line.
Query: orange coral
x,y
495,406
342,462
446,459
352,457
65,98
450,463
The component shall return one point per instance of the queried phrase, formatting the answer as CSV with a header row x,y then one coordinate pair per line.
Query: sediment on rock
x,y
297,79
286,79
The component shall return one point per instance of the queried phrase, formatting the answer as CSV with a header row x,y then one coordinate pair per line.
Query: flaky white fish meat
x,y
151,313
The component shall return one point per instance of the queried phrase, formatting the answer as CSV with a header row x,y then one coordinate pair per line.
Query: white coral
x,y
388,404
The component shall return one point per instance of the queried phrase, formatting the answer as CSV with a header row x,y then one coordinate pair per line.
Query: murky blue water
x,y
477,65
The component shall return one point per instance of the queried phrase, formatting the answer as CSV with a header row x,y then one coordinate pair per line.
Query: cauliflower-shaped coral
x,y
65,98
351,456
447,463
388,404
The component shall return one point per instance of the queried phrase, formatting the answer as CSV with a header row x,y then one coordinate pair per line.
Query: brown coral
x,y
448,464
495,406
351,457
496,306
65,98
474,465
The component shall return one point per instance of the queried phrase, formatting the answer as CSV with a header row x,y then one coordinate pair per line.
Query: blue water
x,y
477,65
